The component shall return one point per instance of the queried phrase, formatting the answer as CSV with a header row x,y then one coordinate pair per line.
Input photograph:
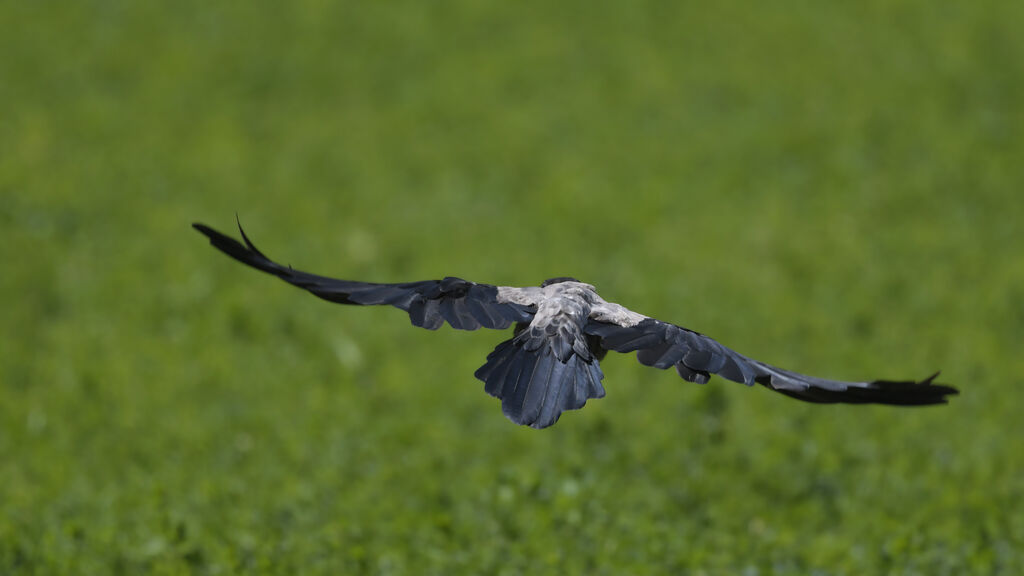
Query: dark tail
x,y
534,386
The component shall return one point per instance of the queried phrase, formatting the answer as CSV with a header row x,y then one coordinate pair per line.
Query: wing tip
x,y
923,392
205,230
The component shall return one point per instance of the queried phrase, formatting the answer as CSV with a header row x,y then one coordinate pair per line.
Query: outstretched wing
x,y
696,357
463,304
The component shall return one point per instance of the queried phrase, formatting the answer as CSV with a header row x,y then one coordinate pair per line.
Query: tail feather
x,y
535,386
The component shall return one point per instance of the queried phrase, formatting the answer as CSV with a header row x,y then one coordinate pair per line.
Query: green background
x,y
831,187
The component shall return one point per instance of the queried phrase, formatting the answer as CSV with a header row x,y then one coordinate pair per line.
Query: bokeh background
x,y
831,187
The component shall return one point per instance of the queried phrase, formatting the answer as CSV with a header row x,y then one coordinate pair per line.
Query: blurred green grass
x,y
831,188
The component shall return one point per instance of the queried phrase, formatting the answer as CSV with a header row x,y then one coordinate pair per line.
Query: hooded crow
x,y
563,329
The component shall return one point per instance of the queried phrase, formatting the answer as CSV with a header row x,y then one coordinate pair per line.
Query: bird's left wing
x,y
696,356
430,303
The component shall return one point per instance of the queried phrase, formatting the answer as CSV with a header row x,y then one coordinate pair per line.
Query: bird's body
x,y
563,329
568,297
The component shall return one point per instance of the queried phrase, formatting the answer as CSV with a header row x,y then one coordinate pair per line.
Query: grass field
x,y
834,188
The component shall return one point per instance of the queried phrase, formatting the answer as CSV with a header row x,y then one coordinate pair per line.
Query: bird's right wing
x,y
463,304
696,356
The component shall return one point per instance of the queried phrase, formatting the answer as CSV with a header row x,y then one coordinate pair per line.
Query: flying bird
x,y
563,329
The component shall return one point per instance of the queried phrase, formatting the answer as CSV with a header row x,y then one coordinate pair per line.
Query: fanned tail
x,y
534,386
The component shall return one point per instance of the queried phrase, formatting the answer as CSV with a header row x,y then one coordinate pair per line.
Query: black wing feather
x,y
463,304
696,357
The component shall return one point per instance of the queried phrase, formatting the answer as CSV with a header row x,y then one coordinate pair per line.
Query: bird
x,y
562,331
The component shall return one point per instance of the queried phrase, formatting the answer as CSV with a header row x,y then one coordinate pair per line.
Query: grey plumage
x,y
563,329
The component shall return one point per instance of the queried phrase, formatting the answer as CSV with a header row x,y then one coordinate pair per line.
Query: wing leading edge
x,y
695,357
463,304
